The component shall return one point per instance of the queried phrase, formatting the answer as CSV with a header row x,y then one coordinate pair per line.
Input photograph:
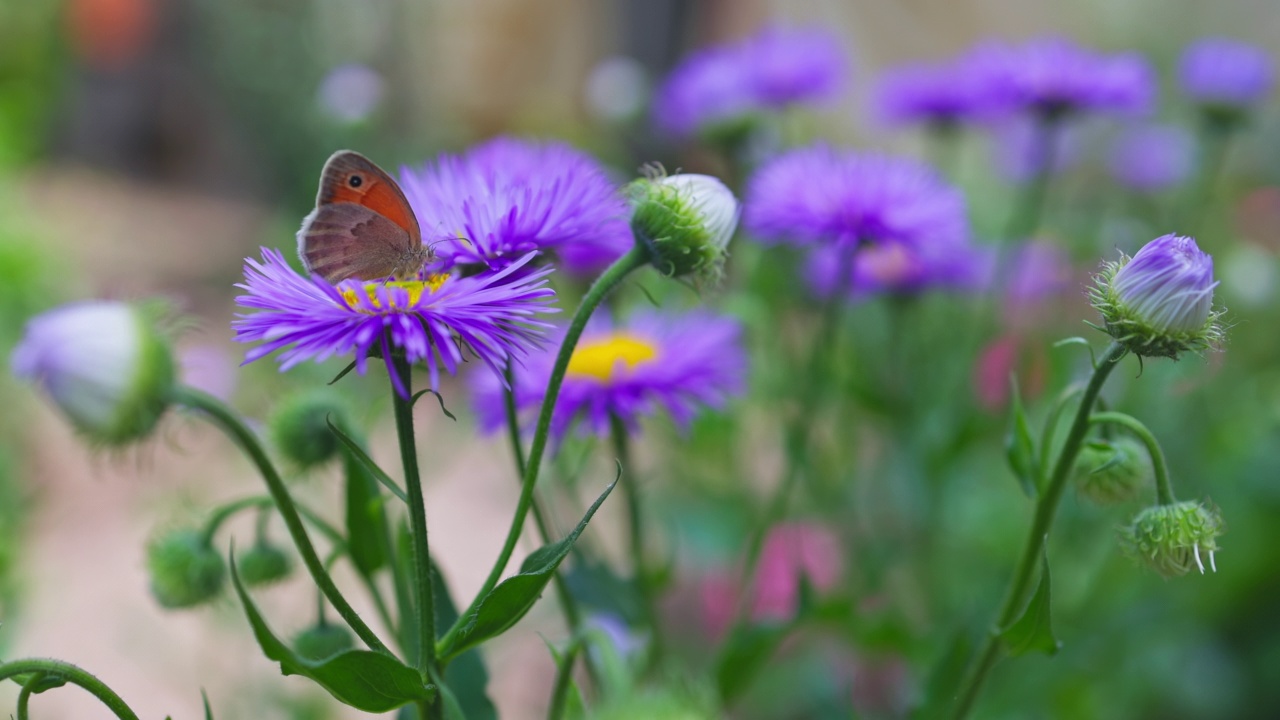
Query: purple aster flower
x,y
1225,72
652,362
1052,75
493,314
1038,271
898,268
726,84
1021,147
508,197
1152,157
821,195
937,94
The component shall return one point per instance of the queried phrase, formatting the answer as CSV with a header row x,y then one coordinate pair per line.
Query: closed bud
x,y
300,428
106,365
1113,471
685,221
1160,301
322,641
185,569
1174,539
263,564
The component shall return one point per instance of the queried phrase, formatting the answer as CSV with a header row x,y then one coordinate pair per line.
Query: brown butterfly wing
x,y
349,177
345,240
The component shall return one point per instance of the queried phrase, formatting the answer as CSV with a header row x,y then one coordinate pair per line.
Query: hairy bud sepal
x,y
1110,472
263,564
300,428
1174,539
685,221
185,569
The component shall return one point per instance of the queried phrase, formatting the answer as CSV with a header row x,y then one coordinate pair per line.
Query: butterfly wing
x,y
345,240
349,177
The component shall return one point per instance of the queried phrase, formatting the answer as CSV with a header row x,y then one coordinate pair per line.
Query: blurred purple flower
x,y
351,93
1053,75
1020,150
938,94
1225,72
770,70
1037,271
652,362
1150,158
821,195
898,268
494,315
508,197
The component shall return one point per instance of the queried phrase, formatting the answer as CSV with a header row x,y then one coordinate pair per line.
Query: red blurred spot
x,y
109,34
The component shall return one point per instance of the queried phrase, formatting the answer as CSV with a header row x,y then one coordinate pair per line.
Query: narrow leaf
x,y
367,529
350,366
1032,631
414,401
1019,446
208,711
513,597
354,448
745,653
366,680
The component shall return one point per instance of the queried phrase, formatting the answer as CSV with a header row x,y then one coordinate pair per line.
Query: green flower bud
x,y
106,365
1113,471
185,569
1173,539
263,564
300,427
1160,301
686,221
322,641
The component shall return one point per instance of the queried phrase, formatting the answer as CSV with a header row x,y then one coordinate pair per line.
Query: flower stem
x,y
1026,215
72,674
643,579
635,258
1164,489
426,624
235,428
1033,548
1214,140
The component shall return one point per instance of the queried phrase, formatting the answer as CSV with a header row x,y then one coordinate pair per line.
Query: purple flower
x,y
1152,157
508,197
938,94
1225,72
1022,147
652,362
1052,75
897,268
768,71
494,315
821,195
1038,271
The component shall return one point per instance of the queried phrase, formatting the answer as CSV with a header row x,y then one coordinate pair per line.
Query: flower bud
x,y
1113,471
300,427
1225,77
1173,539
686,222
185,569
322,641
105,364
1160,301
263,564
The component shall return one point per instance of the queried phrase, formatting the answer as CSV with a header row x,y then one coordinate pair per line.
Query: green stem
x,y
1038,533
24,696
1026,215
1164,489
426,641
943,139
227,421
74,675
636,258
564,678
1215,138
648,600
1051,428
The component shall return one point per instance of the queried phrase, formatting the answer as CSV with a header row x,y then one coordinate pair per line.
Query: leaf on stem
x,y
1019,446
366,522
354,448
745,653
1032,631
414,401
366,680
513,597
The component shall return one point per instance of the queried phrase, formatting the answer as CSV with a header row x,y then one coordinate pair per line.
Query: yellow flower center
x,y
414,288
601,358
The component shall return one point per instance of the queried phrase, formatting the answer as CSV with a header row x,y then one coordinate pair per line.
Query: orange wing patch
x,y
350,177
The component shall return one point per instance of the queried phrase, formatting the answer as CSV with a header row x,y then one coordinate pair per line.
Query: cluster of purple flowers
x,y
726,84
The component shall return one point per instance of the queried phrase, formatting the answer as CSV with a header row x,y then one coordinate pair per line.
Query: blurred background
x,y
148,146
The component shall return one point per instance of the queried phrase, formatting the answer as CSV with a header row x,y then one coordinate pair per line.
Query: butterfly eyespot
x,y
355,181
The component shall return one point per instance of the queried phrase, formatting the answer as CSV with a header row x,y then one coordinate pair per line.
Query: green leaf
x,y
452,708
595,585
366,521
1019,446
1032,631
366,680
745,653
208,711
466,678
354,448
944,679
414,401
350,366
513,597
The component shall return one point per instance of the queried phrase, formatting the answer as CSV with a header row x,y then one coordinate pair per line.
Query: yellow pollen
x,y
415,288
601,358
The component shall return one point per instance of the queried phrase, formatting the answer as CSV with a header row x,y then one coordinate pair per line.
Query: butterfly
x,y
362,226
